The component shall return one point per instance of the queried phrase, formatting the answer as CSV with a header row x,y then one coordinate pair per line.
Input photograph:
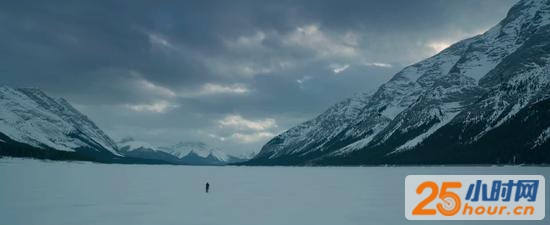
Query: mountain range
x,y
483,100
185,153
32,124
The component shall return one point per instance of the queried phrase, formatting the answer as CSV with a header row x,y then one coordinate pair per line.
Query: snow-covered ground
x,y
59,193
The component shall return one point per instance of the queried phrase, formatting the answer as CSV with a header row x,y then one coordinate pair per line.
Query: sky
x,y
232,74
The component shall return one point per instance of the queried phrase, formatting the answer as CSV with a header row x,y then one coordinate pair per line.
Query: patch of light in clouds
x,y
210,88
157,107
438,46
155,89
304,79
158,40
252,41
379,64
238,129
338,69
238,122
254,137
311,37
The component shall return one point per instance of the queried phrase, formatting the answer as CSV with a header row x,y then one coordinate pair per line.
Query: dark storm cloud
x,y
232,73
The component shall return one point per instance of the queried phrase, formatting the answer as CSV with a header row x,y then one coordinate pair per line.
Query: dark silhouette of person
x,y
207,187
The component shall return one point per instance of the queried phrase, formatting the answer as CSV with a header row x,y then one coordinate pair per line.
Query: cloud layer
x,y
230,73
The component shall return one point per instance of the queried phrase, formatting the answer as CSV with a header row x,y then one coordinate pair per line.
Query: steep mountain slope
x,y
467,95
34,124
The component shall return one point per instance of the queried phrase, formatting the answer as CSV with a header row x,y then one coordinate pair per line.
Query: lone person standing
x,y
207,187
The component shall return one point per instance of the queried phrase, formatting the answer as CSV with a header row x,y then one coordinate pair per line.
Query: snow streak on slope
x,y
542,138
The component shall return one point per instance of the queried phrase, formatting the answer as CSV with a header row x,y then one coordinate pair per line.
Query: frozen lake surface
x,y
59,193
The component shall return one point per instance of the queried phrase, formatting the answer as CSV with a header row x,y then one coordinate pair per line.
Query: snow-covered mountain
x,y
143,150
199,153
485,99
34,124
188,153
182,149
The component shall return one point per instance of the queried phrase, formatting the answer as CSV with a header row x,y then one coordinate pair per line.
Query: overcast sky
x,y
232,74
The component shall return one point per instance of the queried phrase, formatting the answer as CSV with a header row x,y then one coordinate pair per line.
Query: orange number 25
x,y
451,201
